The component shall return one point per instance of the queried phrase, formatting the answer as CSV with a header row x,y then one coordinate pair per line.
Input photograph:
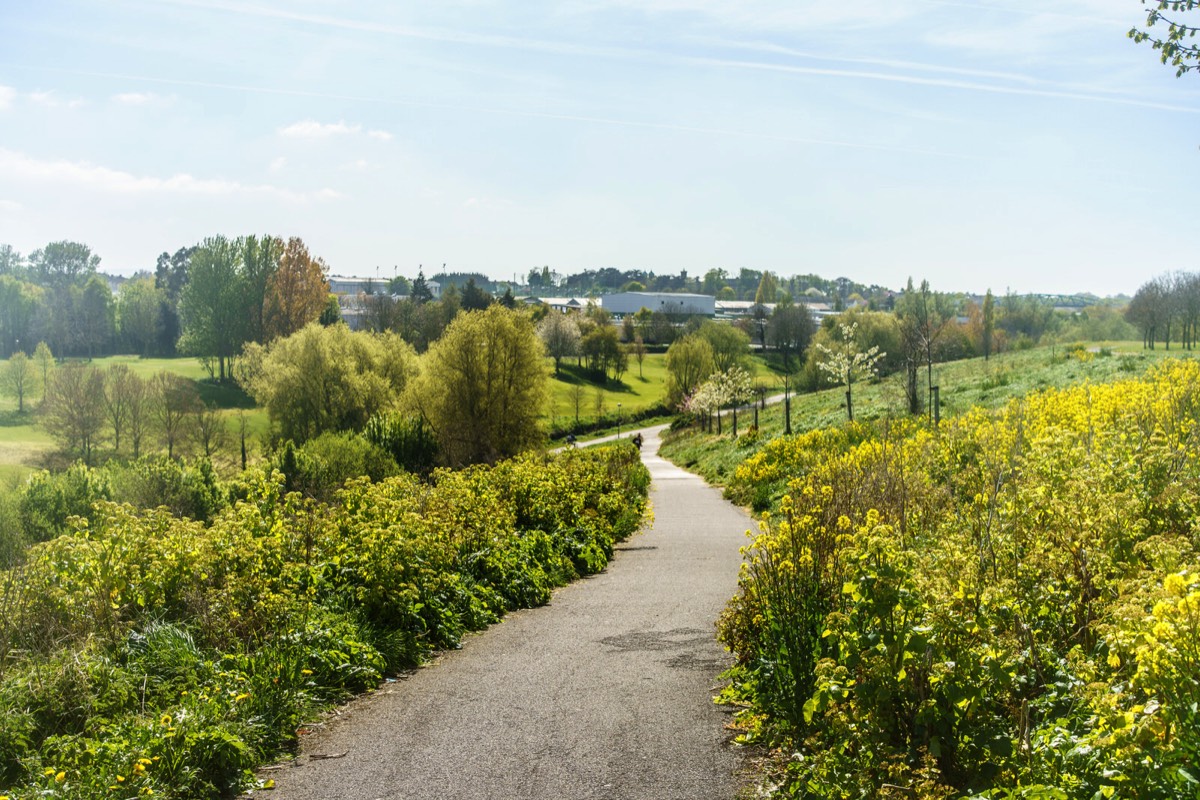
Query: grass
x,y
964,384
25,445
637,390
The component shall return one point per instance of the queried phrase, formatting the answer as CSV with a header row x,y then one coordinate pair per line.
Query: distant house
x,y
625,303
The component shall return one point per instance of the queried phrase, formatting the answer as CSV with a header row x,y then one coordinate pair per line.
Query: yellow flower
x,y
60,777
1175,584
1114,660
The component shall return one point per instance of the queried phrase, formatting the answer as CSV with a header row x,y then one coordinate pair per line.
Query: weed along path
x,y
606,693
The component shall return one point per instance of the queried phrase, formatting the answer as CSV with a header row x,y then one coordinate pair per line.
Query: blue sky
x,y
1004,144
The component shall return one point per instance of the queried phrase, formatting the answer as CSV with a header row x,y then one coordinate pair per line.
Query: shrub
x,y
321,466
185,489
407,438
49,500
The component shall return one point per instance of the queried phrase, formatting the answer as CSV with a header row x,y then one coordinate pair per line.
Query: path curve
x,y
605,693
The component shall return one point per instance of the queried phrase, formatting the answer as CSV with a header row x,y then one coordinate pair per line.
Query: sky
x,y
1018,145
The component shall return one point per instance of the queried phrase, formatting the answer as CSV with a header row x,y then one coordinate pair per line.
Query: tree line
x,y
206,300
1167,308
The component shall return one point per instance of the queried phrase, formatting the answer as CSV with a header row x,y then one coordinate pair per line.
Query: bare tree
x,y
208,430
116,401
638,348
137,417
75,408
173,399
560,333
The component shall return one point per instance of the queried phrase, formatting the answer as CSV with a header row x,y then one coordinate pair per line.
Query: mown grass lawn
x,y
576,395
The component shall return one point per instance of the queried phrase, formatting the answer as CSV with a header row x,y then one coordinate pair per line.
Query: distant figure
x,y
570,440
637,441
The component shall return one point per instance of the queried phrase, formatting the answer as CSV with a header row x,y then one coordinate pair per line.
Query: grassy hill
x,y
964,385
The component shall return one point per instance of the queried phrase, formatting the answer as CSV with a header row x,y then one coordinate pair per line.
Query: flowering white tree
x,y
730,387
845,362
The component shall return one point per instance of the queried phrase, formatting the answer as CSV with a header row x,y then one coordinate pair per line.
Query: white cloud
x,y
51,100
277,164
311,129
11,206
105,179
382,136
360,164
140,99
7,95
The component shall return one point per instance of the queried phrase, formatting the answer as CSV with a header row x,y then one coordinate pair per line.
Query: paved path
x,y
605,693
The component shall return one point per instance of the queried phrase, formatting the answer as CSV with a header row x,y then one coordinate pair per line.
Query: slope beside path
x,y
605,693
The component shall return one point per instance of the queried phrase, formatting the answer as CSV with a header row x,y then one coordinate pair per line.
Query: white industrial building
x,y
625,303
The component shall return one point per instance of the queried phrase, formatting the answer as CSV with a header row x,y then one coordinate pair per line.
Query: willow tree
x,y
483,386
326,378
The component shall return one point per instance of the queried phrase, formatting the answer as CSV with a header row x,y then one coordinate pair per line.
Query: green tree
x,y
474,298
19,304
790,330
326,378
212,305
260,261
63,263
730,345
139,310
1175,44
689,362
420,289
484,386
601,349
45,363
18,377
331,311
714,281
96,322
11,261
989,323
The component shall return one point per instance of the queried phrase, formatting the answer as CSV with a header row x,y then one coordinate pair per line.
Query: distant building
x,y
561,304
737,309
352,286
625,303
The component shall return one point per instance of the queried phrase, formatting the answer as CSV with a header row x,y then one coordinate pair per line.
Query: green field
x,y
25,445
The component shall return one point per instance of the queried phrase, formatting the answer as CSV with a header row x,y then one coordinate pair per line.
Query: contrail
x,y
626,123
540,45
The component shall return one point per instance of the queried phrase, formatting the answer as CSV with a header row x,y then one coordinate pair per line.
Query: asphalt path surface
x,y
604,693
